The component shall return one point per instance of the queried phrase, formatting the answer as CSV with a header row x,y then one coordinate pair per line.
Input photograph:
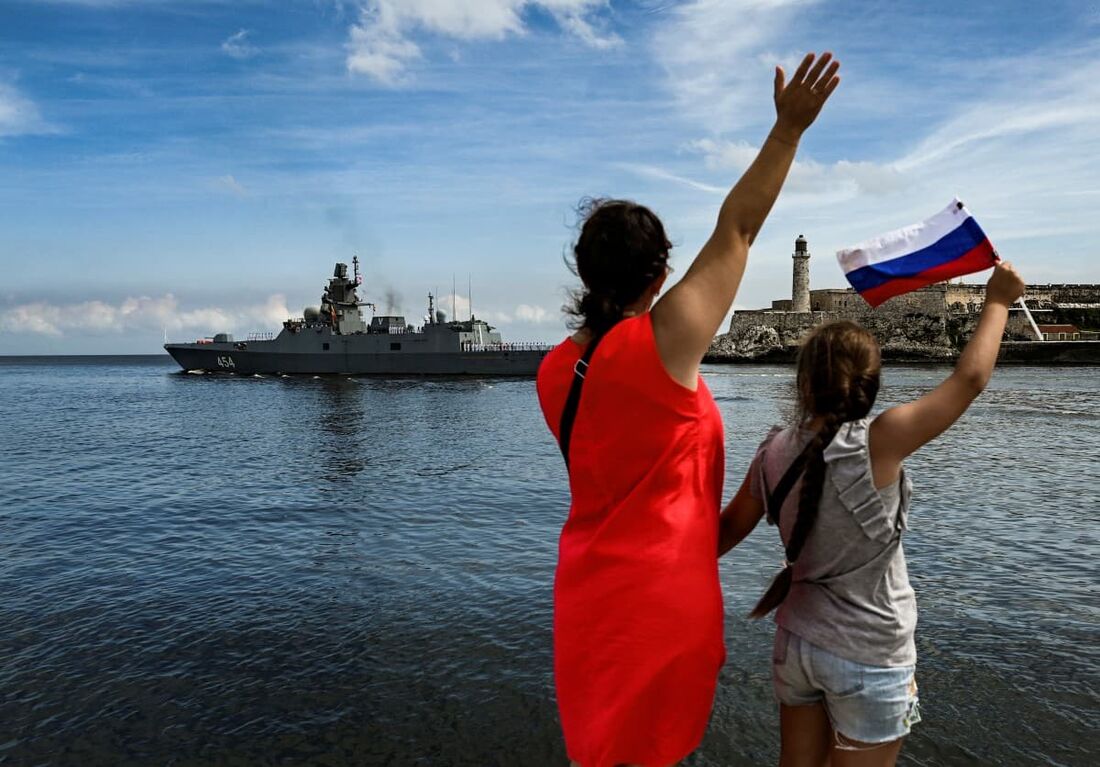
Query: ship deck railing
x,y
507,347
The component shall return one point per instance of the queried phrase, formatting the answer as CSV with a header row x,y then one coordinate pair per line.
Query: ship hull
x,y
225,358
319,348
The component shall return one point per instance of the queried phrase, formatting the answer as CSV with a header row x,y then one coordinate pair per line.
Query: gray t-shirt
x,y
850,592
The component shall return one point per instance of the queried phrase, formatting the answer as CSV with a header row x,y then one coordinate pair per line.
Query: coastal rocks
x,y
915,336
750,342
911,336
921,326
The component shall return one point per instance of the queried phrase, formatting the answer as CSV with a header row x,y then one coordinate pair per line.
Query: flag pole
x,y
1020,300
1023,305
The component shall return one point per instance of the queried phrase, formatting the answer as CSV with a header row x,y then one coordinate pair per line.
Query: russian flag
x,y
949,244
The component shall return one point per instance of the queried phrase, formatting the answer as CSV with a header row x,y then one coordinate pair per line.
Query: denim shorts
x,y
870,704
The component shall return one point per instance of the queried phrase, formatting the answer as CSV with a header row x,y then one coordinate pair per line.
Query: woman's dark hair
x,y
838,378
622,248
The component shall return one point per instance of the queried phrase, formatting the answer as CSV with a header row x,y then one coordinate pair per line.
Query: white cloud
x,y
843,178
1051,105
237,45
138,314
380,46
533,314
29,318
458,307
840,180
228,183
575,22
379,51
18,114
716,57
1015,137
652,171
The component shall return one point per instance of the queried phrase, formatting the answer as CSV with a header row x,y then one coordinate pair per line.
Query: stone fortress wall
x,y
930,323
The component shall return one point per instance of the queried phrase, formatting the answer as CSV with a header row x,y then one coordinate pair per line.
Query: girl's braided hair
x,y
839,367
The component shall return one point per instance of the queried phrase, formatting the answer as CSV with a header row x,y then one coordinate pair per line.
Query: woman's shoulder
x,y
629,351
559,354
559,359
629,328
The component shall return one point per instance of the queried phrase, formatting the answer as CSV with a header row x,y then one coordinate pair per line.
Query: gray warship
x,y
335,339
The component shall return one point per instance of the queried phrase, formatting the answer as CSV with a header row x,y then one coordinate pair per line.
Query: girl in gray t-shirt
x,y
844,660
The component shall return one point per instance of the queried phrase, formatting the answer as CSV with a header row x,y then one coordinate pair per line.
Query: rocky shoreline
x,y
765,347
929,325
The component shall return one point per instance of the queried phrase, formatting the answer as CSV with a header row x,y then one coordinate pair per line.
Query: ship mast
x,y
358,282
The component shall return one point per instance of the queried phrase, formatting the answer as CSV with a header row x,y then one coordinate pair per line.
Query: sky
x,y
176,168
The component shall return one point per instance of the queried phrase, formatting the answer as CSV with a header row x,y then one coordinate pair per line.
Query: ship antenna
x,y
454,297
470,291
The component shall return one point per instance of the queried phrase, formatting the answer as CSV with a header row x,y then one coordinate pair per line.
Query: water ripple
x,y
216,570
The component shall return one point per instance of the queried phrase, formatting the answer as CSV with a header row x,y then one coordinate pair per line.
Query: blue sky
x,y
199,166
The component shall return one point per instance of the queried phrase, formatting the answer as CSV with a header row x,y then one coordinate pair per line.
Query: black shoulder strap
x,y
777,496
573,401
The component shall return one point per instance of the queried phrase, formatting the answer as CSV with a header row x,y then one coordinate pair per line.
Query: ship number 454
x,y
225,361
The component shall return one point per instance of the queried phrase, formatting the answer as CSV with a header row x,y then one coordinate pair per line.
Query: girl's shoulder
x,y
851,441
780,441
848,459
771,454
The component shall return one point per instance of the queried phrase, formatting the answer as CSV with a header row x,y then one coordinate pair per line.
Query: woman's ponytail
x,y
600,311
620,251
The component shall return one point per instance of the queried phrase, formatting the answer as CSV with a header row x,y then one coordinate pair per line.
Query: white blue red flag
x,y
949,244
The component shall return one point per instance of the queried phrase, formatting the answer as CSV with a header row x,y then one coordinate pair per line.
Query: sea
x,y
223,570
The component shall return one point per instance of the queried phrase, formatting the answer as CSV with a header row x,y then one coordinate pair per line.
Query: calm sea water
x,y
201,570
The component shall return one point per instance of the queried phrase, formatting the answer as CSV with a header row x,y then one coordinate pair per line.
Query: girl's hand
x,y
739,517
901,430
1005,285
798,102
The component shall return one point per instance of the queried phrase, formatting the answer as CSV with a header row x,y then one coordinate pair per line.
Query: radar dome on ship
x,y
441,316
311,314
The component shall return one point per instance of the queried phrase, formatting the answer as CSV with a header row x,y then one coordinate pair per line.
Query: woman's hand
x,y
686,318
798,103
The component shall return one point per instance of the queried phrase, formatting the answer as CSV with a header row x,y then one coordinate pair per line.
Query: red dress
x,y
637,604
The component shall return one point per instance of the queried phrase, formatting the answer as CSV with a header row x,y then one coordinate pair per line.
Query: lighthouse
x,y
800,289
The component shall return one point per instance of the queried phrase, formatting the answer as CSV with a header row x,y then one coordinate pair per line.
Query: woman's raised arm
x,y
688,316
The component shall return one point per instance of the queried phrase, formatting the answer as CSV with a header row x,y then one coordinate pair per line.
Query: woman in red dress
x,y
637,604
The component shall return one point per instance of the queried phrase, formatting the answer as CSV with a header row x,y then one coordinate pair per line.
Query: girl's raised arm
x,y
901,430
686,318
